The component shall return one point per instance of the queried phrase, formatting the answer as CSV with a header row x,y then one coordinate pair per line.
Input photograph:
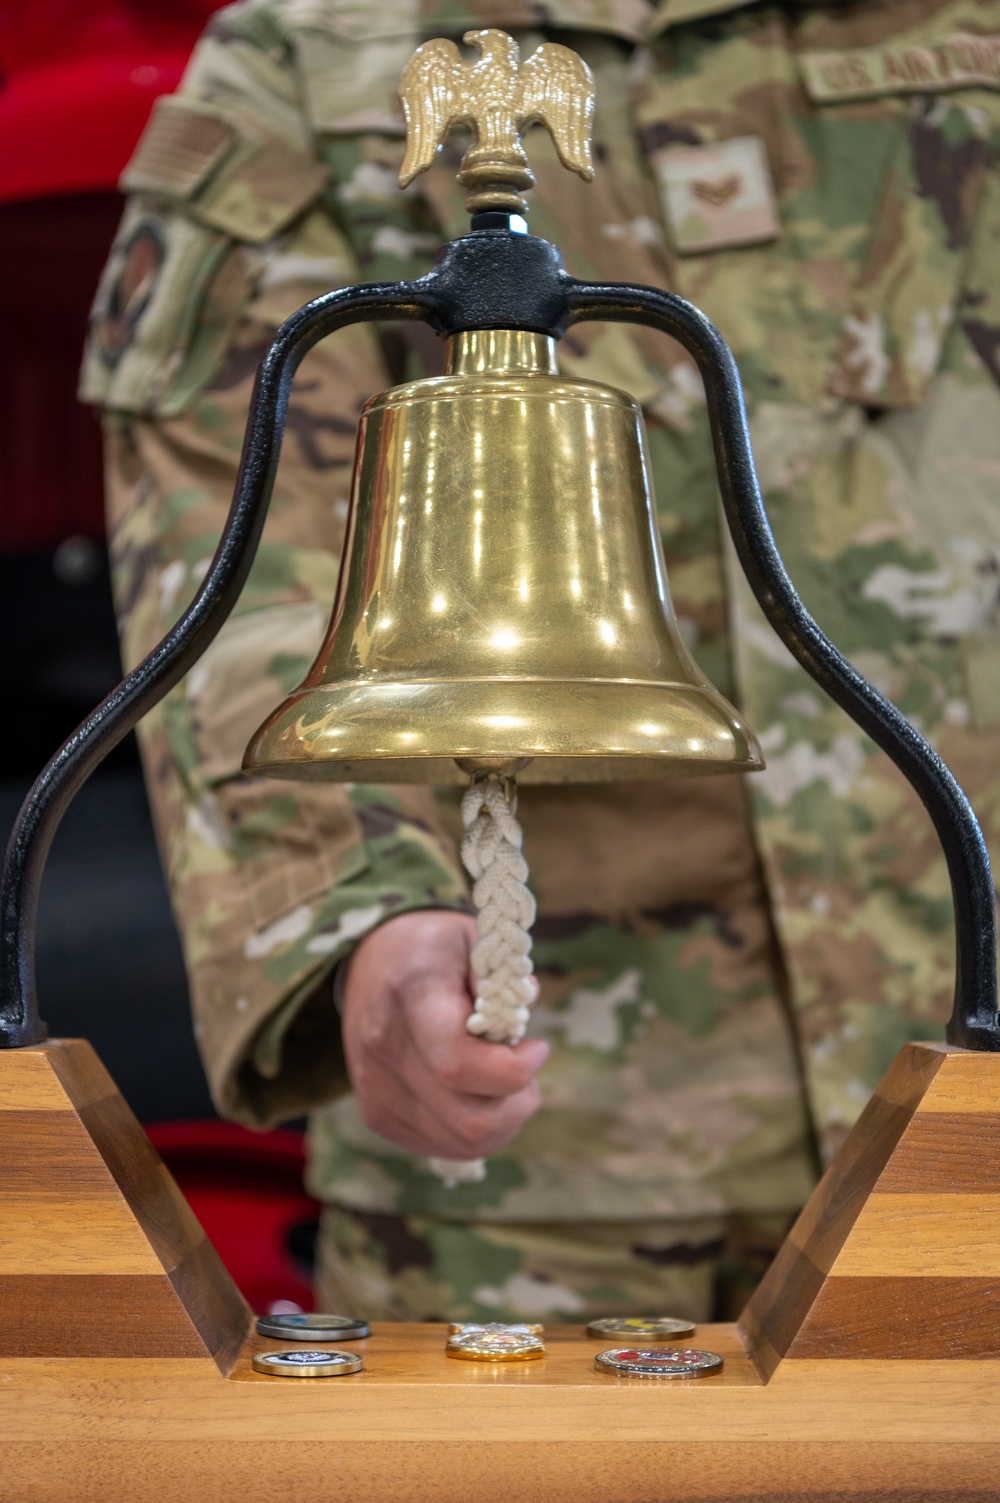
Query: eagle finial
x,y
499,97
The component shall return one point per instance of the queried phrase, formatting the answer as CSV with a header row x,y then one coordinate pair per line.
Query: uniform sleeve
x,y
228,230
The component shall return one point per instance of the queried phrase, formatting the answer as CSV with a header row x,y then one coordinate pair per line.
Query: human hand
x,y
420,1078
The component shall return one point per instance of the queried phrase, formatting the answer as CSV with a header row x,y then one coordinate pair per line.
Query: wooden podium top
x,y
419,1427
867,1366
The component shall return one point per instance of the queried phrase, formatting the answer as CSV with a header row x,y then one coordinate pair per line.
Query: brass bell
x,y
502,595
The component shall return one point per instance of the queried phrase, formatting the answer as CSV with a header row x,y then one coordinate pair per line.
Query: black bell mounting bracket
x,y
499,278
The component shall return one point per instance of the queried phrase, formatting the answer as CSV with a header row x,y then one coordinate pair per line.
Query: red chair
x,y
246,1190
79,80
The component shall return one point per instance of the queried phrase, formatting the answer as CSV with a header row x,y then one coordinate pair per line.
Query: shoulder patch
x,y
958,62
164,307
232,178
180,146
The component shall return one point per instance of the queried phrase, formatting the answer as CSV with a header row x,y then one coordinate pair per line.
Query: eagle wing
x,y
432,90
557,90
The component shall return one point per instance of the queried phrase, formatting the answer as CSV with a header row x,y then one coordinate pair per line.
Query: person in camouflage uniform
x,y
726,968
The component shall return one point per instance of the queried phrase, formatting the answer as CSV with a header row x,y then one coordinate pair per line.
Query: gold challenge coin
x,y
499,1344
301,1364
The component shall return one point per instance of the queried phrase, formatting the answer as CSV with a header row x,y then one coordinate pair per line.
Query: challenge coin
x,y
307,1364
313,1327
464,1327
642,1328
657,1362
505,1344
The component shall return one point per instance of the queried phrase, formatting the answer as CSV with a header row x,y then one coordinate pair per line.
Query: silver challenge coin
x,y
657,1362
307,1364
314,1327
642,1328
492,1328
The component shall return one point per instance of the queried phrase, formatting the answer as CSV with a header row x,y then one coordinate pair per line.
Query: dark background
x,y
109,961
77,81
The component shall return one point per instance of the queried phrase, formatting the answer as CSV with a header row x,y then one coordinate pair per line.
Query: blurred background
x,y
77,81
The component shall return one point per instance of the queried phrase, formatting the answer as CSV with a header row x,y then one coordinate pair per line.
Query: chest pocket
x,y
349,62
905,295
855,292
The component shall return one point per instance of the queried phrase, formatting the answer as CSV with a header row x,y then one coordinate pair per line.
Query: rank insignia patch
x,y
717,195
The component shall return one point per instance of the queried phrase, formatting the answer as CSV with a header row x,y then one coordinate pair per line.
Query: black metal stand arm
x,y
974,1023
495,278
52,791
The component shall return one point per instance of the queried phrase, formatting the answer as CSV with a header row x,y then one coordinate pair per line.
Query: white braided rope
x,y
505,911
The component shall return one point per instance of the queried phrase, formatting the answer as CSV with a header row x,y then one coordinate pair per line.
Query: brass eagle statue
x,y
499,97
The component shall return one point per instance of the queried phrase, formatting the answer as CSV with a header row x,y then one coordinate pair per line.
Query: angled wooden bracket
x,y
897,1254
100,1254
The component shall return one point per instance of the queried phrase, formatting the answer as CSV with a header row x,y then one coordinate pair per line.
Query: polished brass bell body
x,y
503,598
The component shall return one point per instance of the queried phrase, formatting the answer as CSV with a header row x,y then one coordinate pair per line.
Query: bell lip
x,y
574,730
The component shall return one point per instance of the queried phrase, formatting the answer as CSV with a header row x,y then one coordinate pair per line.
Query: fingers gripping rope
x,y
505,911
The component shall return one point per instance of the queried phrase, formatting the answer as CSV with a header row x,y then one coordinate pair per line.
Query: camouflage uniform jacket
x,y
718,961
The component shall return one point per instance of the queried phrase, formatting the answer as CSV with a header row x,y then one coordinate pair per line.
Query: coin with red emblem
x,y
657,1362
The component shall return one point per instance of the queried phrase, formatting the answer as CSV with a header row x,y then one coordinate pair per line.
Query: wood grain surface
x,y
867,1368
100,1254
415,1425
897,1254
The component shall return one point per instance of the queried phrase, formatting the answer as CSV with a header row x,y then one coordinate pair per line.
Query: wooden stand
x,y
867,1366
100,1254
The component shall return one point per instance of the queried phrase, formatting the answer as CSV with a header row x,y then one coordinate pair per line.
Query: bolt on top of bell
x,y
502,601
